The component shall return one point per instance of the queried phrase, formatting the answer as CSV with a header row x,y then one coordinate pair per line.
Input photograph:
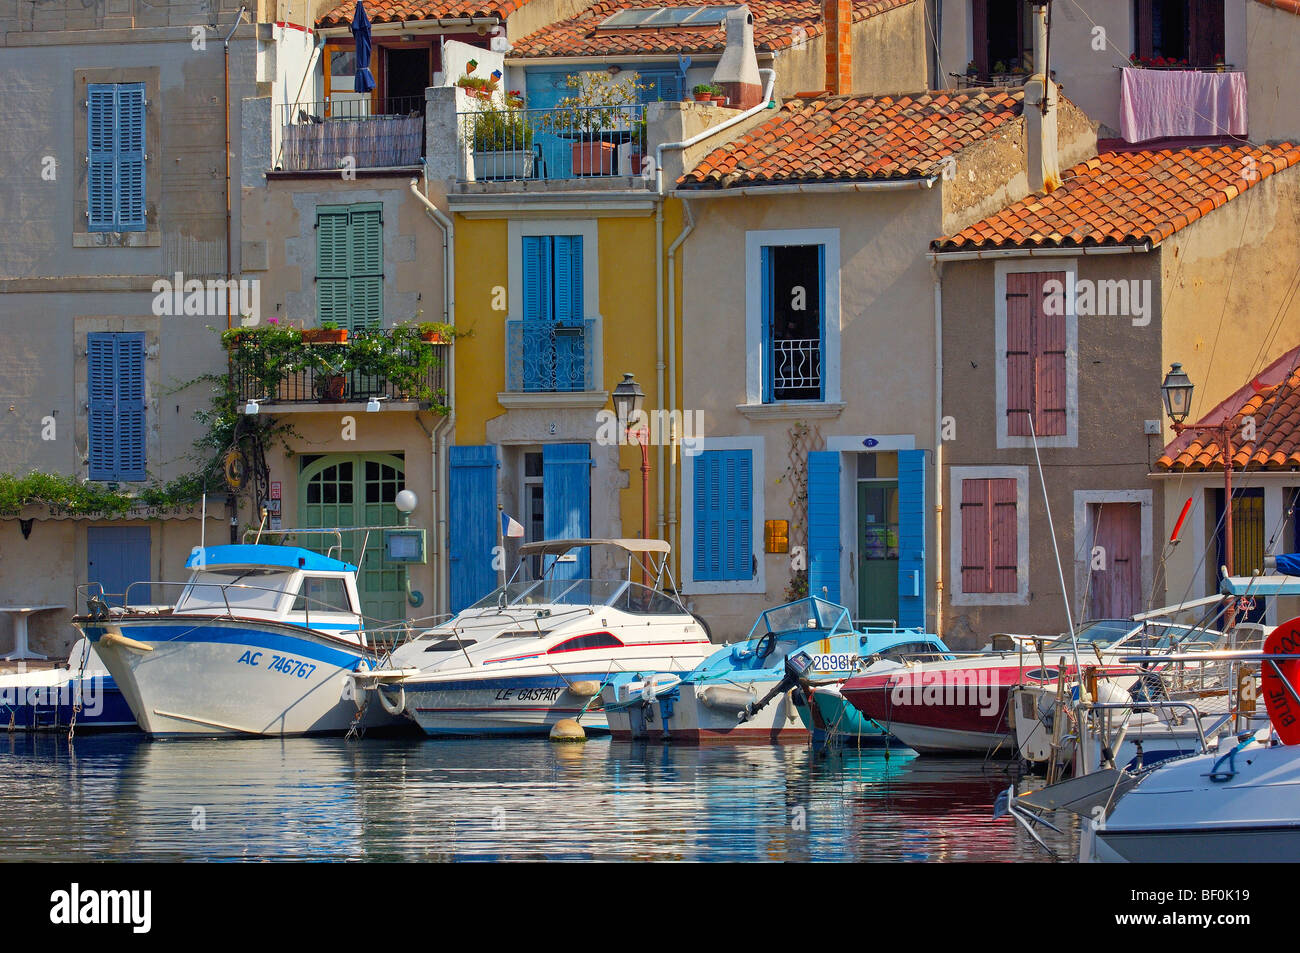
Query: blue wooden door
x,y
911,538
471,523
824,524
117,556
566,493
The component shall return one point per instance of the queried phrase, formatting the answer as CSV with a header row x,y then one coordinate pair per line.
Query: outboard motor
x,y
796,671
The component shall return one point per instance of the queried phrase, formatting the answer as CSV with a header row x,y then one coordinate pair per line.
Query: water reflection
x,y
121,797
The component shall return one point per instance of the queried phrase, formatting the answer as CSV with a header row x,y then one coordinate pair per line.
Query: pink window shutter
x,y
1021,293
1049,345
975,555
1004,530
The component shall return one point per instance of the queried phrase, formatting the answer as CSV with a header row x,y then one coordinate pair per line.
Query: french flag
x,y
510,527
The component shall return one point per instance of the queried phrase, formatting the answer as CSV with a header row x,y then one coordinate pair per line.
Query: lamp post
x,y
629,399
1176,390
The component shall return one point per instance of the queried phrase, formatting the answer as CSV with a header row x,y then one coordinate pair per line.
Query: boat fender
x,y
728,698
791,708
566,729
117,638
389,707
584,689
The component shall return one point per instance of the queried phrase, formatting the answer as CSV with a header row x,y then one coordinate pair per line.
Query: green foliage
x,y
66,496
593,104
501,129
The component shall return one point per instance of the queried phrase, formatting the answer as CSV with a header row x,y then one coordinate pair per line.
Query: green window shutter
x,y
366,266
332,256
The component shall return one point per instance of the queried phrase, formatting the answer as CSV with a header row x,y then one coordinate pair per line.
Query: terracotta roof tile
x,y
778,24
1126,198
1275,408
390,11
852,138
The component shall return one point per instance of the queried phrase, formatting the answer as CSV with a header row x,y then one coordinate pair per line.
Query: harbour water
x,y
122,797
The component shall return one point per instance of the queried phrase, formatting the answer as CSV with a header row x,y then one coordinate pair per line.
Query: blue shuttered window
x,y
115,389
115,140
471,523
724,516
659,86
824,524
566,489
911,538
553,342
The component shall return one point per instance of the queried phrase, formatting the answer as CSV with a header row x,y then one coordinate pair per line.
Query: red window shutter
x,y
1035,355
976,558
1004,531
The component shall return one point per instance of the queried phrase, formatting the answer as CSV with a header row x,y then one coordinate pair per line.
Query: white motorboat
x,y
534,652
260,642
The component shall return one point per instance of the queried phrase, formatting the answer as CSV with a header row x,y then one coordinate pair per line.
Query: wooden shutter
x,y
723,508
366,267
471,523
911,538
824,524
566,491
130,407
130,157
116,393
101,388
101,142
568,280
989,540
332,260
1035,355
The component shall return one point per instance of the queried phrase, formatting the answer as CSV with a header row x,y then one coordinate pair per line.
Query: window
x,y
989,531
115,391
1036,334
115,137
350,266
655,86
793,342
597,640
723,511
1000,35
322,594
548,348
1190,31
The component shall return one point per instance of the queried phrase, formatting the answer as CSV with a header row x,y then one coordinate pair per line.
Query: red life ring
x,y
1279,699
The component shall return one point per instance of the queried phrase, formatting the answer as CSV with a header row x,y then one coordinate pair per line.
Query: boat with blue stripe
x,y
51,698
260,641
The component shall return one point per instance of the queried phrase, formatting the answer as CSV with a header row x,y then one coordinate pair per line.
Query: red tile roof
x,y
391,11
1126,198
852,138
1273,399
778,24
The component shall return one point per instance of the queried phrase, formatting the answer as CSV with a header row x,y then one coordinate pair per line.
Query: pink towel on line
x,y
1158,103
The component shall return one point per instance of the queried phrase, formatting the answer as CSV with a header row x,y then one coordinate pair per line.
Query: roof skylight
x,y
658,18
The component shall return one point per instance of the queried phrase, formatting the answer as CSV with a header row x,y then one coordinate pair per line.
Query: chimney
x,y
1040,110
838,18
737,70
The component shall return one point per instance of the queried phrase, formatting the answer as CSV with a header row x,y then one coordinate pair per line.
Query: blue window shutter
x,y
566,489
130,407
765,269
723,543
101,388
568,280
537,278
471,523
824,524
101,142
821,318
130,157
911,538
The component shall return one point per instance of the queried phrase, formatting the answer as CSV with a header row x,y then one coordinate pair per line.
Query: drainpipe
x,y
936,267
225,47
672,367
446,428
659,284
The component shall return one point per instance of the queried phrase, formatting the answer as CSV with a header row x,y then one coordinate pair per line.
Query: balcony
x,y
505,144
287,374
797,369
550,358
351,133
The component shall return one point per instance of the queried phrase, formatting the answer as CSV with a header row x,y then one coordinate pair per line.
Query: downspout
x,y
936,267
447,426
225,46
673,522
659,281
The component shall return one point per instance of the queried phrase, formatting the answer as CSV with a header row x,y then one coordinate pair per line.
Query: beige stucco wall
x,y
1274,38
889,51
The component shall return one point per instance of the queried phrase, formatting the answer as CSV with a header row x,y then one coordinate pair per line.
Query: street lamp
x,y
628,399
1177,393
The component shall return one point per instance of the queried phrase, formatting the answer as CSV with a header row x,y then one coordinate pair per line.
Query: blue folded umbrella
x,y
365,80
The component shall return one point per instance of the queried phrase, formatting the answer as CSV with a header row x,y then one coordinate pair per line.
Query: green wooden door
x,y
878,550
351,489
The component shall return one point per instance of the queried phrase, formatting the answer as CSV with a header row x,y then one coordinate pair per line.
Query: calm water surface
x,y
124,798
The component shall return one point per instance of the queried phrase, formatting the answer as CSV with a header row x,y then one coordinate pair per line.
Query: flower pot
x,y
513,164
719,100
704,97
593,158
638,162
325,335
332,388
433,337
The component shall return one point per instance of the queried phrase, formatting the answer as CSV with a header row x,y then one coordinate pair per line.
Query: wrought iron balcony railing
x,y
797,369
508,144
545,357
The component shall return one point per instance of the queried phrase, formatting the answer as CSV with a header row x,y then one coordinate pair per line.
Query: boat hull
x,y
690,715
829,717
212,677
502,705
48,705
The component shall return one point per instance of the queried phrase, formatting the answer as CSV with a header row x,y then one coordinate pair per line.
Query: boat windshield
x,y
239,589
809,615
1109,633
616,593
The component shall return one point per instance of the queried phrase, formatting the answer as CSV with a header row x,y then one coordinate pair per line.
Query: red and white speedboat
x,y
962,706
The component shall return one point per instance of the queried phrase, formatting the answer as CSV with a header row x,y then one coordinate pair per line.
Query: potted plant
x,y
638,146
703,93
972,70
719,98
436,332
328,333
503,142
598,104
332,365
480,87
